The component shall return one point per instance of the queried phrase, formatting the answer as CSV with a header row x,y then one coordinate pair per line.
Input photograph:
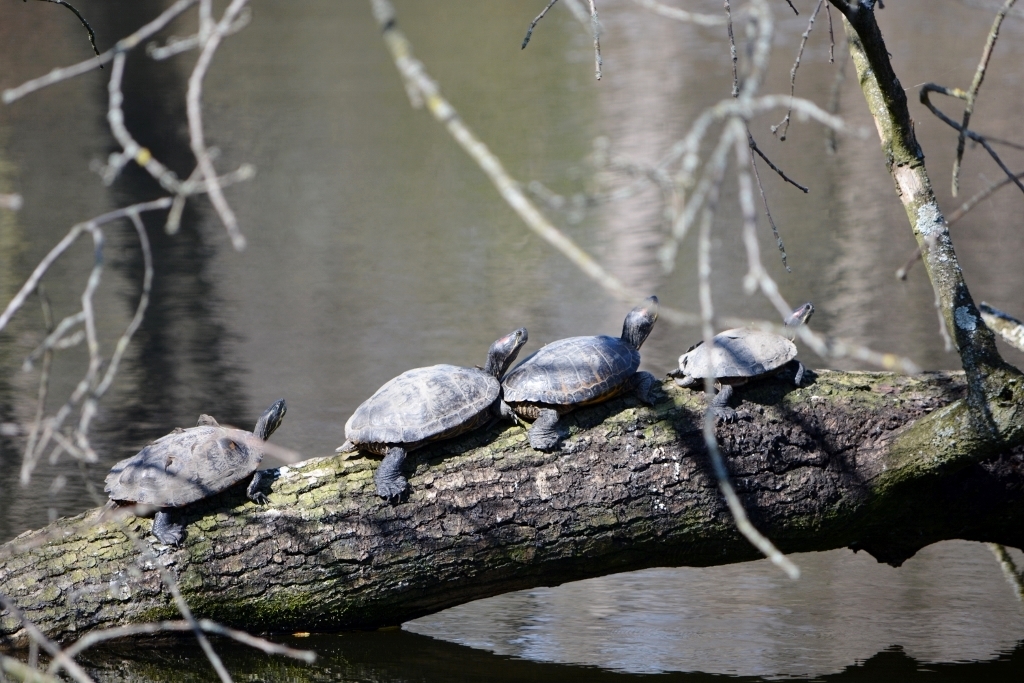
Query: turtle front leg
x,y
253,491
643,387
720,404
388,477
166,531
800,369
544,434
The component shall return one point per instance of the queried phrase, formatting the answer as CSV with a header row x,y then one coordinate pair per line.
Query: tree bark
x,y
873,461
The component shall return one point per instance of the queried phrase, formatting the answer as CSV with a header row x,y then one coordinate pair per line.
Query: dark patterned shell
x,y
185,466
421,404
742,352
573,370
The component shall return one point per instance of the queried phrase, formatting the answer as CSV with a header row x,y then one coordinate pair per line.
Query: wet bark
x,y
872,461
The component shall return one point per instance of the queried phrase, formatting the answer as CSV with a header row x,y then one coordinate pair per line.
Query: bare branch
x,y
123,45
1004,324
784,124
195,122
751,146
732,50
92,34
955,92
37,636
972,92
782,174
154,628
595,26
533,24
174,45
682,15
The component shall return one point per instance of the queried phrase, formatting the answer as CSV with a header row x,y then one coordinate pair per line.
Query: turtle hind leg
x,y
253,491
544,434
166,531
643,387
720,404
388,477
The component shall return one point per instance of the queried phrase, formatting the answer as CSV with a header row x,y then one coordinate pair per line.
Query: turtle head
x,y
639,322
270,420
800,315
504,351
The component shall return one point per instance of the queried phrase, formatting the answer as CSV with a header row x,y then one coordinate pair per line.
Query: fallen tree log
x,y
873,461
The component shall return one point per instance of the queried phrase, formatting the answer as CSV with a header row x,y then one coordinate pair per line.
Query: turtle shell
x,y
572,371
742,352
423,404
185,466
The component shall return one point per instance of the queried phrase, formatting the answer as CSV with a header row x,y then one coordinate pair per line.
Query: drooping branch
x,y
879,462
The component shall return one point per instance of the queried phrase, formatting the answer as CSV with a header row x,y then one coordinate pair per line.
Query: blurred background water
x,y
375,245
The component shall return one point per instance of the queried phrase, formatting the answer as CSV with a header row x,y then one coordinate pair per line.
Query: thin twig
x,y
92,34
423,90
123,45
736,508
784,124
732,50
533,24
831,35
91,379
751,146
195,122
595,26
44,381
682,15
153,628
37,636
972,92
835,91
23,672
977,137
174,46
782,174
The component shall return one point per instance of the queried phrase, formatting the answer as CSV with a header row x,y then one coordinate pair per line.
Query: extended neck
x,y
270,420
503,352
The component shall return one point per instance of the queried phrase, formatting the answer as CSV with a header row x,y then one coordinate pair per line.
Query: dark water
x,y
376,246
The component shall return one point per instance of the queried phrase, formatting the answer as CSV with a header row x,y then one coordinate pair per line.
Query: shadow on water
x,y
399,656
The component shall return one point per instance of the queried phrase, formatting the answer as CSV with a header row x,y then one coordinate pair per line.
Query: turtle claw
x,y
166,531
391,489
725,414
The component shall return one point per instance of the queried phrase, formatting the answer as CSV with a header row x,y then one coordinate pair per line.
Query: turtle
x,y
427,404
578,371
188,465
740,355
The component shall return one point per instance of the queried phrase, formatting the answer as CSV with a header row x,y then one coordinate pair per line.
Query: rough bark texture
x,y
879,462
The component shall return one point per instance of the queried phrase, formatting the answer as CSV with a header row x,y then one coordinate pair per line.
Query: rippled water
x,y
376,246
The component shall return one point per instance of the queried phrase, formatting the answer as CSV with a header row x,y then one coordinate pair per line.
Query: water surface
x,y
376,246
